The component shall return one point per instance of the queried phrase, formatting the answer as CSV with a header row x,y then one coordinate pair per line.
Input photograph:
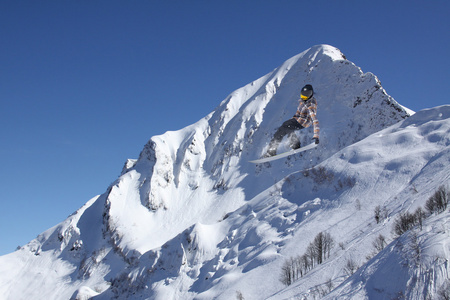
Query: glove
x,y
316,140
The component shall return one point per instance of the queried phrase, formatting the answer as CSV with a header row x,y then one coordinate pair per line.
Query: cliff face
x,y
352,105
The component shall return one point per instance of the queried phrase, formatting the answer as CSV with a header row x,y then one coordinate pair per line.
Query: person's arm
x,y
312,110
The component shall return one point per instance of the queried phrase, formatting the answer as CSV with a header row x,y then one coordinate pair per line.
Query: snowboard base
x,y
281,155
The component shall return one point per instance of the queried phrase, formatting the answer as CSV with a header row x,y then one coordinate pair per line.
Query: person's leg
x,y
294,141
288,127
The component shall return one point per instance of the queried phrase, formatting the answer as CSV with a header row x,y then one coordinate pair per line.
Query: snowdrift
x,y
191,218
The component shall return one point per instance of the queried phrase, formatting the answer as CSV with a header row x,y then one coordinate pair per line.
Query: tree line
x,y
316,252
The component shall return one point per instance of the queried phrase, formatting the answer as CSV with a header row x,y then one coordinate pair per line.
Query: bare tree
x,y
358,204
239,295
329,244
329,285
379,243
377,212
419,215
438,202
350,267
288,272
316,252
322,244
404,222
318,246
303,263
311,254
380,213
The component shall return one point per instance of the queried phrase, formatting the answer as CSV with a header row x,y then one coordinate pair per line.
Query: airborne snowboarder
x,y
304,117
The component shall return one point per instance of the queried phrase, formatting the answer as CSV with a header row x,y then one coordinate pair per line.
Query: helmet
x,y
307,92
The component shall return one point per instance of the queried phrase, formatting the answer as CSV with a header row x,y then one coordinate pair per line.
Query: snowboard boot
x,y
295,145
272,151
294,142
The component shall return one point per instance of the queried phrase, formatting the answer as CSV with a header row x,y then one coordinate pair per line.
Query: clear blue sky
x,y
85,84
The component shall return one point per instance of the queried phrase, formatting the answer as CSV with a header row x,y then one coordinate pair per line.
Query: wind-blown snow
x,y
191,218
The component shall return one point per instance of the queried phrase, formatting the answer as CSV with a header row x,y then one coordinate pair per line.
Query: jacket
x,y
306,115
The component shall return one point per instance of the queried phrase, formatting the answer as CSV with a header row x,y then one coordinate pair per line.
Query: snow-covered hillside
x,y
191,218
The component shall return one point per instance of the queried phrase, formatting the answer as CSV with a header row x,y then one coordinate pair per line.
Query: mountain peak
x,y
323,49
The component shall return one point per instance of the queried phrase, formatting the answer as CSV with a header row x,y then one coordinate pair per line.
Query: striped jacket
x,y
306,115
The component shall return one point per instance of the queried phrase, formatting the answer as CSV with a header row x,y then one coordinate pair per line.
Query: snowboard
x,y
281,155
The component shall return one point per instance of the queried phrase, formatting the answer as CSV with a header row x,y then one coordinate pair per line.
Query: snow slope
x,y
191,218
398,168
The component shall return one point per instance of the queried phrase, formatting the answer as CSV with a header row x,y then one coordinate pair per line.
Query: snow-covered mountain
x,y
192,219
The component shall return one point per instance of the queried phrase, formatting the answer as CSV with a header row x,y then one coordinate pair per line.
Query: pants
x,y
288,127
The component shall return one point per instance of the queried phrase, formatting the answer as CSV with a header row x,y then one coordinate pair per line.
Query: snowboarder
x,y
304,117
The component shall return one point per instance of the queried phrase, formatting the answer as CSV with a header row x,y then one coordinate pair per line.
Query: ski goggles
x,y
304,97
